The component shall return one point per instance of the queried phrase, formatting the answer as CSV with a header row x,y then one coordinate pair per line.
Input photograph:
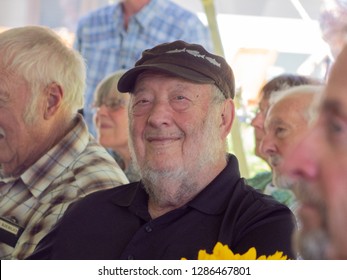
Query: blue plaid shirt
x,y
107,46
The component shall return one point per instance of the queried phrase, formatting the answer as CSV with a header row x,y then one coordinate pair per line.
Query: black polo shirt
x,y
115,224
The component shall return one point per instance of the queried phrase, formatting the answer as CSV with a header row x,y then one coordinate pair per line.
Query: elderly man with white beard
x,y
288,118
190,196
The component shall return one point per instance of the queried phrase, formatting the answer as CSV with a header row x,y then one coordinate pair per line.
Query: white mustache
x,y
275,160
2,132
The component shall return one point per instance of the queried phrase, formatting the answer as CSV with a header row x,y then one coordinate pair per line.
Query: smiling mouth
x,y
162,141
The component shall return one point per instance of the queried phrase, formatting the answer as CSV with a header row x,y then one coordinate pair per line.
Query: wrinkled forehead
x,y
291,109
274,116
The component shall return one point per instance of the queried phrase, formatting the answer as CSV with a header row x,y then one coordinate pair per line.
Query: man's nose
x,y
160,114
301,161
267,145
258,121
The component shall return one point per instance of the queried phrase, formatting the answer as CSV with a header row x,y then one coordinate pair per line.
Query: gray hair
x,y
218,96
107,85
41,57
315,90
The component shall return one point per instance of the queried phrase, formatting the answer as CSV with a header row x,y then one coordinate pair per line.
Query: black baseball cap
x,y
188,61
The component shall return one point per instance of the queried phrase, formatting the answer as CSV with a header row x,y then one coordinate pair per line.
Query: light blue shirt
x,y
107,46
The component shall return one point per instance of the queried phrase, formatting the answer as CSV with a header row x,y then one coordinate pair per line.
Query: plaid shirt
x,y
107,46
73,168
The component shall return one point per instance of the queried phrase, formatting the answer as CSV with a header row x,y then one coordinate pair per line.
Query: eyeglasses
x,y
111,104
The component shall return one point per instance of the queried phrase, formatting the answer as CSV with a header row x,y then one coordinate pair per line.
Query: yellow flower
x,y
277,256
222,252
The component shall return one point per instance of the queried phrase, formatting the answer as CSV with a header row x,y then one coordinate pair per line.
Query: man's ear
x,y
54,96
227,117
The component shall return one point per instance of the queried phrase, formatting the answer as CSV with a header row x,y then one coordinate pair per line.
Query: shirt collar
x,y
117,13
135,197
52,164
148,12
4,179
210,200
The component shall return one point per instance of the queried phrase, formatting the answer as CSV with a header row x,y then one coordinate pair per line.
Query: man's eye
x,y
141,106
336,131
279,131
141,102
336,126
180,103
180,97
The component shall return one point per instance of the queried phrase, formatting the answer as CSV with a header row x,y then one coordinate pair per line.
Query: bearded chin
x,y
156,176
282,181
157,184
312,245
157,181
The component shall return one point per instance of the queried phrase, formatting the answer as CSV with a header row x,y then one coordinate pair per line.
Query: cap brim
x,y
127,81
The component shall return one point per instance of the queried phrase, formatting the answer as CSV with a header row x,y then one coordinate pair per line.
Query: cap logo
x,y
197,54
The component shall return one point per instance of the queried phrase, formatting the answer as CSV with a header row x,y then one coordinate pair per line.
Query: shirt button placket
x,y
148,228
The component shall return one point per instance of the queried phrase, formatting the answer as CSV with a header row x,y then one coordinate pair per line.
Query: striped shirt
x,y
73,168
106,46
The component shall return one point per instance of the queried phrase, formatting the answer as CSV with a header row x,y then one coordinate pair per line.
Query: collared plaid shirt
x,y
73,168
107,46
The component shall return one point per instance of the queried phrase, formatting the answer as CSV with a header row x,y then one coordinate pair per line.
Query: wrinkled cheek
x,y
8,157
7,151
137,150
259,134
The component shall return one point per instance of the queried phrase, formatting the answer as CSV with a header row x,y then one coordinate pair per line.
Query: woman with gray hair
x,y
111,122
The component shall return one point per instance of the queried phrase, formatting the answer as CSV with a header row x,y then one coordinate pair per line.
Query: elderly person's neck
x,y
132,7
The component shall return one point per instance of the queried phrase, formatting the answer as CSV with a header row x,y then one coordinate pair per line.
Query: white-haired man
x,y
48,158
288,119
